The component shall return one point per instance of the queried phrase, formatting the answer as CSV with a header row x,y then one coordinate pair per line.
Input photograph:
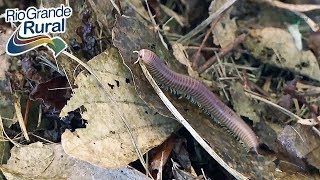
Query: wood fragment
x,y
17,107
222,53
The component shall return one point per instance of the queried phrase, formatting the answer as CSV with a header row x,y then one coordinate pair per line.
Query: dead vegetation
x,y
94,112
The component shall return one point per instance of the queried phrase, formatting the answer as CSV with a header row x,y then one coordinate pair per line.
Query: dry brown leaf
x,y
242,104
276,47
105,141
294,176
5,33
300,142
224,30
161,156
39,161
6,104
313,157
181,55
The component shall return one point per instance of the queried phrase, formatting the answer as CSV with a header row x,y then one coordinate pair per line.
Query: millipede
x,y
201,95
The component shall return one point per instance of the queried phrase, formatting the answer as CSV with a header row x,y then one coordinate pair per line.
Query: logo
x,y
36,24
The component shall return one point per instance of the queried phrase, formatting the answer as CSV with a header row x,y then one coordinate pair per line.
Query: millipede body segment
x,y
201,95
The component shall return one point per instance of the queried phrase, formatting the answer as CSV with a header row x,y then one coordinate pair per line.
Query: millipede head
x,y
254,150
147,56
142,53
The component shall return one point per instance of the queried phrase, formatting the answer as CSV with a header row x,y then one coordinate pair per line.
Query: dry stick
x,y
26,114
222,53
17,107
197,55
221,73
194,133
203,49
159,175
252,86
203,174
147,160
180,19
68,79
294,7
155,25
39,116
88,68
115,6
119,5
5,134
39,137
206,22
298,9
285,111
316,130
314,26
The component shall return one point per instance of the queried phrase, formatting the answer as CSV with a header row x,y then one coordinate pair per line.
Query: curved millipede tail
x,y
201,95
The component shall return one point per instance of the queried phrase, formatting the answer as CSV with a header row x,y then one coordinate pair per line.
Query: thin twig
x,y
221,70
155,25
316,130
194,133
298,134
180,19
60,88
69,82
203,48
115,6
206,22
5,134
240,66
26,113
119,5
159,175
39,116
314,26
203,174
20,118
48,63
285,111
298,9
197,54
39,137
236,69
294,7
222,53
